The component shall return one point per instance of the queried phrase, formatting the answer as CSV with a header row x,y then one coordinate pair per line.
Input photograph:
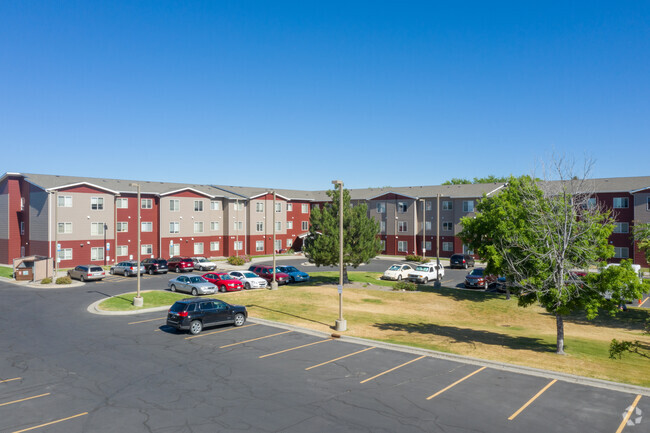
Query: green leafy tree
x,y
537,234
360,234
457,181
489,179
642,236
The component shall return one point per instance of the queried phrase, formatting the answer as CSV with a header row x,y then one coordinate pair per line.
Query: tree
x,y
360,234
489,179
538,234
642,236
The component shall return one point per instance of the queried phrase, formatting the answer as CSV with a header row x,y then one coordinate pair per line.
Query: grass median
x,y
478,324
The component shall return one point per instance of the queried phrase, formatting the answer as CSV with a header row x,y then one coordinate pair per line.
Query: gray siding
x,y
38,214
4,211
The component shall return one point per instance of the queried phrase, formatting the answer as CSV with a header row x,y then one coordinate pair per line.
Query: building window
x,y
65,228
22,227
122,203
381,207
278,245
214,226
64,201
305,225
214,246
289,243
278,207
402,246
591,203
146,226
289,225
427,225
621,202
122,227
383,245
402,226
447,226
214,205
304,208
259,245
382,226
239,206
289,207
146,249
198,205
146,203
259,226
621,253
238,225
97,253
174,205
622,228
447,205
97,203
174,227
96,229
447,246
468,206
122,250
402,207
198,247
65,254
278,226
238,245
467,250
427,245
429,205
174,250
259,207
198,226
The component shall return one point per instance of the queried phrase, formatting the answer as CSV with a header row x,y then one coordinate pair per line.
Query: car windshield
x,y
224,277
289,269
197,280
422,268
202,260
250,275
477,272
394,268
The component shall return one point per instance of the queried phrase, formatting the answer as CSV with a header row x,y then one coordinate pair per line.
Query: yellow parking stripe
x,y
392,369
24,399
9,380
340,357
532,400
455,383
217,332
52,422
629,414
254,339
294,348
149,320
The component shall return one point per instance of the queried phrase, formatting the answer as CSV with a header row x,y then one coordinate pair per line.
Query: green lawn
x,y
151,299
332,277
6,272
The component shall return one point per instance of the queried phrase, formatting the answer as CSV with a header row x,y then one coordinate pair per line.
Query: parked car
x,y
128,269
397,272
180,264
203,264
427,272
250,280
194,314
266,272
224,281
479,279
155,266
192,284
295,276
461,261
87,273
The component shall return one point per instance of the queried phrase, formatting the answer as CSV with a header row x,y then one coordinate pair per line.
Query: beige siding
x,y
186,216
81,216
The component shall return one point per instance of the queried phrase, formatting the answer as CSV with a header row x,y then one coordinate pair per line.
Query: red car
x,y
266,272
224,281
180,264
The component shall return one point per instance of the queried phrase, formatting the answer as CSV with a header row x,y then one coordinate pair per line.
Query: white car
x,y
250,280
427,272
397,272
203,264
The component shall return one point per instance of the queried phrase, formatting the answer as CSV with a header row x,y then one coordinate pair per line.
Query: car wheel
x,y
196,327
150,271
81,278
485,285
399,278
111,271
222,289
247,286
239,319
426,280
178,270
173,288
194,291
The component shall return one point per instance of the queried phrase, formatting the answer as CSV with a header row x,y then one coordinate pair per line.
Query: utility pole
x,y
138,301
438,237
341,324
274,283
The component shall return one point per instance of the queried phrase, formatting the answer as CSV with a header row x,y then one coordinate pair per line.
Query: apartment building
x,y
92,220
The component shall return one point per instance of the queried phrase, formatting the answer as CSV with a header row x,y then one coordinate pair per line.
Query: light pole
x,y
105,227
274,283
341,324
138,301
438,238
424,229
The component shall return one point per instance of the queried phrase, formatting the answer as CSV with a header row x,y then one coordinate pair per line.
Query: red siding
x,y
187,194
85,189
130,237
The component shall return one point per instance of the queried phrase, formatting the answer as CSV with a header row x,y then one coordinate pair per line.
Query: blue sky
x,y
295,94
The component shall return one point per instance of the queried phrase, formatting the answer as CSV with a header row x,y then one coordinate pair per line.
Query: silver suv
x,y
128,269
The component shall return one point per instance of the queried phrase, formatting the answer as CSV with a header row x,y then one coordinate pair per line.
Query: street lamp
x,y
341,324
274,283
138,301
105,228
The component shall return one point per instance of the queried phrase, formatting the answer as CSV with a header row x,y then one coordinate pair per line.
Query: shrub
x,y
414,258
63,280
405,285
237,260
47,280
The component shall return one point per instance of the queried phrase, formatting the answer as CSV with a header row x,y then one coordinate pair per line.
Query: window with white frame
x,y
122,250
214,246
429,205
174,250
427,225
97,203
467,250
591,203
146,226
259,226
278,226
278,207
447,246
402,226
122,227
96,229
97,253
427,245
382,226
174,205
146,203
402,207
305,225
381,207
621,202
65,228
239,206
621,252
447,226
122,203
259,245
304,208
278,245
198,247
146,249
289,225
65,254
383,244
214,226
622,228
174,227
215,205
259,206
64,201
198,226
447,205
289,207
238,225
238,245
289,243
402,246
198,205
